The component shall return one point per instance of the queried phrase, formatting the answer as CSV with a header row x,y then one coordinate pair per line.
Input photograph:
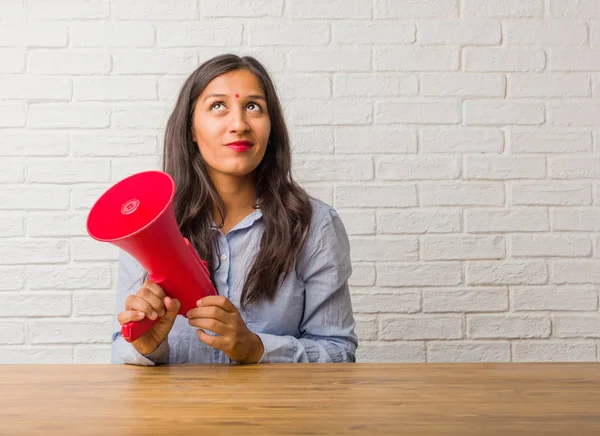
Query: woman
x,y
279,259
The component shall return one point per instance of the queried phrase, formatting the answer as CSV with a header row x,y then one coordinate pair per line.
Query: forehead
x,y
238,81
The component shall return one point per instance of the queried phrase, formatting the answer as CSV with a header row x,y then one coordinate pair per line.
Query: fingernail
x,y
141,314
187,315
199,302
168,300
162,312
154,315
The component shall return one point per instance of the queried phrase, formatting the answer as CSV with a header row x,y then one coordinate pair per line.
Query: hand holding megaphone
x,y
137,216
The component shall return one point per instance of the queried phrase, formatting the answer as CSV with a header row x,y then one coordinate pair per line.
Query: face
x,y
231,124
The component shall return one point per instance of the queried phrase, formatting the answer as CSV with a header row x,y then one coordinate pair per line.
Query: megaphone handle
x,y
133,330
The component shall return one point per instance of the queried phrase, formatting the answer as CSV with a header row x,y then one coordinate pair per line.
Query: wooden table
x,y
369,399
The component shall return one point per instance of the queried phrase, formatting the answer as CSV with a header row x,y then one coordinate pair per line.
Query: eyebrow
x,y
254,96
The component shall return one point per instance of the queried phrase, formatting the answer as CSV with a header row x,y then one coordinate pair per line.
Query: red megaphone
x,y
137,216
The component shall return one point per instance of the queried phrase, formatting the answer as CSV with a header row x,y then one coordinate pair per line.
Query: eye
x,y
254,106
217,105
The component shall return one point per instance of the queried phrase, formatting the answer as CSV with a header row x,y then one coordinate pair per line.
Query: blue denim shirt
x,y
310,319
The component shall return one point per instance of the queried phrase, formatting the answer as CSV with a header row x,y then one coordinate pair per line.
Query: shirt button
x,y
223,257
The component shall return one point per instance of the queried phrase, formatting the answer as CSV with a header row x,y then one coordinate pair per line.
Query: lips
x,y
239,146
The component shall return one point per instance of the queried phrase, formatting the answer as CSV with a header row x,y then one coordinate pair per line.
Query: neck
x,y
238,195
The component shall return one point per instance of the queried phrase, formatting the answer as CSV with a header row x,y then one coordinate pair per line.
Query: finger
x,y
172,307
217,342
154,288
210,324
130,315
219,301
139,304
213,312
155,301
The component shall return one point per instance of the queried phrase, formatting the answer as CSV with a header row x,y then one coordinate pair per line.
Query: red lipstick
x,y
239,146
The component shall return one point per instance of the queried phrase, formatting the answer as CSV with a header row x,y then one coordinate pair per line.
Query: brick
x,y
574,271
417,112
330,9
573,114
430,167
11,333
494,112
575,8
92,354
546,32
12,115
513,59
20,143
122,167
358,221
25,197
328,60
35,304
155,10
508,326
386,32
440,140
13,10
193,34
308,140
315,169
459,32
505,8
552,194
555,298
462,84
242,8
419,274
363,274
366,328
13,60
68,10
286,33
378,301
56,224
170,86
574,167
553,351
68,115
331,111
578,220
68,171
93,303
84,196
373,140
33,35
574,59
12,171
506,220
506,273
36,355
503,167
151,117
110,34
303,86
390,249
465,351
90,250
69,277
114,88
462,194
35,88
375,85
391,352
414,10
90,330
375,196
480,299
12,278
462,247
576,326
32,251
550,141
118,144
421,327
548,85
418,221
11,226
416,59
154,62
67,62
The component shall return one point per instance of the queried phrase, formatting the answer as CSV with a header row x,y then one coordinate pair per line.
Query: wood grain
x,y
317,399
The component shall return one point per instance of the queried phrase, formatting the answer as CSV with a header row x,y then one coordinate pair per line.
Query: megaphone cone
x,y
137,216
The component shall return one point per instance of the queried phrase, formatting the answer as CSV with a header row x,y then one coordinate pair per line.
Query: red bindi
x,y
237,96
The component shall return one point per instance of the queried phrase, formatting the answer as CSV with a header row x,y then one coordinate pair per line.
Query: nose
x,y
238,121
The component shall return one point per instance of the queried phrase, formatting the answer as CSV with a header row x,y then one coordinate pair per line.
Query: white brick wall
x,y
463,133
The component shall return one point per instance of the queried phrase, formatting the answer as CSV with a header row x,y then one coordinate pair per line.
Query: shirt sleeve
x,y
327,327
130,276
